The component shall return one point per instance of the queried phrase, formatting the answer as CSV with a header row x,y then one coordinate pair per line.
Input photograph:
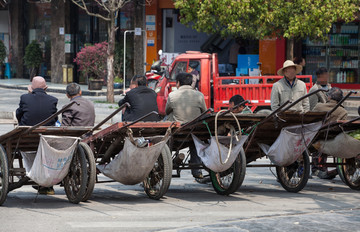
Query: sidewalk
x,y
53,87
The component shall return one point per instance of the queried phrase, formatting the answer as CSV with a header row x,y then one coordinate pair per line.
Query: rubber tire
x,y
164,156
4,171
79,158
91,171
339,169
348,182
304,179
239,171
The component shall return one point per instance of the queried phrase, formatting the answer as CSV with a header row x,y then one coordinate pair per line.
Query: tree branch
x,y
84,7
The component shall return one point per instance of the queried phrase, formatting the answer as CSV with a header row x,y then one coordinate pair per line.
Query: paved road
x,y
259,205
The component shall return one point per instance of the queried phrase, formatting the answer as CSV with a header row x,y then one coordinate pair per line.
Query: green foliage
x,y
33,55
2,52
257,19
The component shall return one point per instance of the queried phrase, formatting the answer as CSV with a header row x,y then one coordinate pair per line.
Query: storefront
x,y
340,55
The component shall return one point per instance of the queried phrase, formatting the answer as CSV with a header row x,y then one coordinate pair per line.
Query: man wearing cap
x,y
82,113
194,73
321,83
289,88
37,105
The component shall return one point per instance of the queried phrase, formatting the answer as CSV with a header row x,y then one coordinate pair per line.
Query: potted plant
x,y
118,82
92,63
2,58
33,57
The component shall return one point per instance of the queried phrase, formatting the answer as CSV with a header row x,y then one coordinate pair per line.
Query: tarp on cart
x,y
342,146
291,143
209,153
133,163
50,164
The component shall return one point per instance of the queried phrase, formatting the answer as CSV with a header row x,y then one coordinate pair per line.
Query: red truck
x,y
217,90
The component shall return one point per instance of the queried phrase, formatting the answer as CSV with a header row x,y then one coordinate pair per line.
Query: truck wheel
x,y
91,171
75,182
351,172
294,177
158,181
227,182
4,175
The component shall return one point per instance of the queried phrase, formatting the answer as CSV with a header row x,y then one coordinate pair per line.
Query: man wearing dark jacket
x,y
82,112
142,101
37,105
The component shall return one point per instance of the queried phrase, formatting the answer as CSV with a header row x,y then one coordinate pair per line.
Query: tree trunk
x,y
139,40
110,61
290,49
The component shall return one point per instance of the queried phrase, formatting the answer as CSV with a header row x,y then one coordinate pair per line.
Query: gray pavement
x,y
260,204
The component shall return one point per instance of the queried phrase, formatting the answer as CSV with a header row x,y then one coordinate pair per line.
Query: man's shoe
x,y
46,191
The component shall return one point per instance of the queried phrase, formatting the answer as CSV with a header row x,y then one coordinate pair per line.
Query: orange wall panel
x,y
267,56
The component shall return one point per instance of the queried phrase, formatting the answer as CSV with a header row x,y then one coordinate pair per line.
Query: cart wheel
x,y
75,182
158,181
227,182
351,172
91,171
4,175
294,177
339,169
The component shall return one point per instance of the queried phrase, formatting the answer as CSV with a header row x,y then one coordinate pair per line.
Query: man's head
x,y
299,60
73,90
322,76
289,70
336,94
193,65
137,81
37,82
183,79
235,100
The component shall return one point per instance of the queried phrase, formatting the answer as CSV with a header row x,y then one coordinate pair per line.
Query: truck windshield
x,y
179,67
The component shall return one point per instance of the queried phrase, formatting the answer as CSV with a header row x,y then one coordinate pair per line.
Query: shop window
x,y
340,54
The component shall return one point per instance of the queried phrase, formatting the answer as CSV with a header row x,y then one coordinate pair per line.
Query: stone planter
x,y
118,85
95,84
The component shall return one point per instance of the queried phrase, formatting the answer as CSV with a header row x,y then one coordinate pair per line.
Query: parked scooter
x,y
154,74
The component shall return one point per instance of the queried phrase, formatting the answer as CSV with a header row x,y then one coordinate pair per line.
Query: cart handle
x,y
141,118
49,118
303,97
108,117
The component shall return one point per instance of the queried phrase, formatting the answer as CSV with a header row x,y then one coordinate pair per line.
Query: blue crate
x,y
242,72
248,61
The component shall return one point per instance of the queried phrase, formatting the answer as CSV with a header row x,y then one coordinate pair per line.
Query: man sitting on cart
x,y
82,113
35,107
334,97
289,88
236,100
142,101
322,82
184,105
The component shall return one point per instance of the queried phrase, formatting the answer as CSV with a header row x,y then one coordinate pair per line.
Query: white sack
x,y
342,146
52,160
133,163
290,145
209,153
